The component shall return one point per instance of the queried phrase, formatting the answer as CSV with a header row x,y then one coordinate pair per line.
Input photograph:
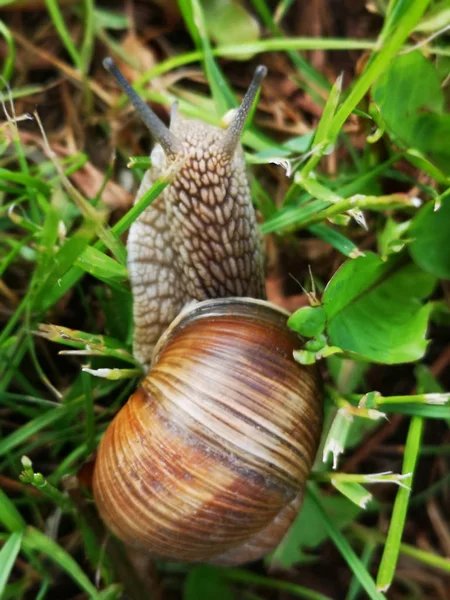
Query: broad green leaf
x,y
430,231
374,309
411,102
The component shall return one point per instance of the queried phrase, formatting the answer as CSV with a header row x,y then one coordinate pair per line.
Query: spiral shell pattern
x,y
208,459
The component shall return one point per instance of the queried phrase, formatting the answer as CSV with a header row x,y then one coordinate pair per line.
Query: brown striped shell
x,y
208,459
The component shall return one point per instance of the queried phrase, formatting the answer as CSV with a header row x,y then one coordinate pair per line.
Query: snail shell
x,y
208,459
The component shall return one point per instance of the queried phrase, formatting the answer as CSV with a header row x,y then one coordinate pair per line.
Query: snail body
x,y
199,239
208,459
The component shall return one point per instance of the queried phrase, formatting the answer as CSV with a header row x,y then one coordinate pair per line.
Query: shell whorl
x,y
205,462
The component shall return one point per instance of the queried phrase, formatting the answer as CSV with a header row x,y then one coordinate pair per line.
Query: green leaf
x,y
430,248
308,321
8,555
411,102
374,309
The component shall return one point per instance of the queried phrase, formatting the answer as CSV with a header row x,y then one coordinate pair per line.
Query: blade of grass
x,y
8,555
63,32
89,416
366,558
391,551
35,540
195,21
307,71
8,65
430,559
111,241
379,61
326,120
33,426
100,265
247,577
48,291
336,239
298,43
87,45
347,552
10,517
68,280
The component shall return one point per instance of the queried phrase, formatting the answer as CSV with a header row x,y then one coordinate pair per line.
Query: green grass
x,y
65,304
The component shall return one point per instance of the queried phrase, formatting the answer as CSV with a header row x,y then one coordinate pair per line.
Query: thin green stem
x,y
391,550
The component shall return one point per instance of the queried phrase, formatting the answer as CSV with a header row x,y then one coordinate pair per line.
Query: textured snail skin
x,y
198,240
208,460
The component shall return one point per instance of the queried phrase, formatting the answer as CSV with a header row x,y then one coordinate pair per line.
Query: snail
x,y
208,459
